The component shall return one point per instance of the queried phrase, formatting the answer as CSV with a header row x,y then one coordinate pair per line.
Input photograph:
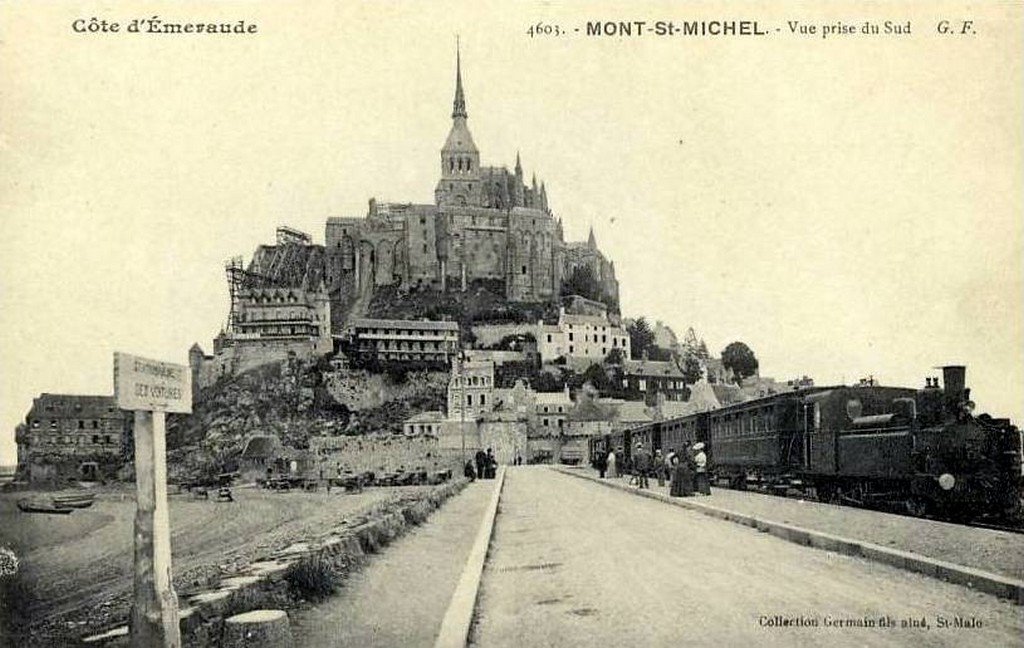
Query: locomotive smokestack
x,y
954,382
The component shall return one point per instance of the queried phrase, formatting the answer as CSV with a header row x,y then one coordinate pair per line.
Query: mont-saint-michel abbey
x,y
488,225
435,424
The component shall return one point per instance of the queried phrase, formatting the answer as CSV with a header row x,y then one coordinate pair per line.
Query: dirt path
x,y
400,598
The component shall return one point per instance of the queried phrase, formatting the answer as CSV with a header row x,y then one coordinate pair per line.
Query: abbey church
x,y
486,223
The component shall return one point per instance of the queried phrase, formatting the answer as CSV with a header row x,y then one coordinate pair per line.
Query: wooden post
x,y
154,615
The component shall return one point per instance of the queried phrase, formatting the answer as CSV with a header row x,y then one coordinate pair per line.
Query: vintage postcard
x,y
338,323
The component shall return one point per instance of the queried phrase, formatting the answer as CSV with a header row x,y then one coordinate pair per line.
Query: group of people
x,y
686,471
486,465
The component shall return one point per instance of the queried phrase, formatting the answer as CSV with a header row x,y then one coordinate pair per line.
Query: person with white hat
x,y
701,461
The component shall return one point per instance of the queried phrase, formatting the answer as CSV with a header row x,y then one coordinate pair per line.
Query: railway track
x,y
1008,527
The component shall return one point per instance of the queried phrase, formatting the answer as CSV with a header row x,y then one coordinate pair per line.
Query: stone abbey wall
x,y
440,247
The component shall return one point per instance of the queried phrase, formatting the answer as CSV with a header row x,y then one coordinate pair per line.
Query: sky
x,y
845,206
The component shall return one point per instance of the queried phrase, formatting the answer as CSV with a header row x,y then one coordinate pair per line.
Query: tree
x,y
596,376
641,337
690,343
702,351
691,369
545,382
740,359
615,357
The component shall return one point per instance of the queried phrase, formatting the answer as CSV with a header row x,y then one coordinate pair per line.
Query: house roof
x,y
728,394
580,318
703,397
78,406
426,417
632,412
553,398
659,368
428,325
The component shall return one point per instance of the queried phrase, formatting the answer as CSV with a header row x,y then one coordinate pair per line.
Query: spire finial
x,y
459,106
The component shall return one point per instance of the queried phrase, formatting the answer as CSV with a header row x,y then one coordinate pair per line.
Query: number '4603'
x,y
543,29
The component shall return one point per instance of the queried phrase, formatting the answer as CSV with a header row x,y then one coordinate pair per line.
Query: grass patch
x,y
312,579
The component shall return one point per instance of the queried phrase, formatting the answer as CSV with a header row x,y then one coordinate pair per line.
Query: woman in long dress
x,y
682,477
675,472
613,469
700,460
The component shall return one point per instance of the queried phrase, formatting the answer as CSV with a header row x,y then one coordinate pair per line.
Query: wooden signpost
x,y
152,388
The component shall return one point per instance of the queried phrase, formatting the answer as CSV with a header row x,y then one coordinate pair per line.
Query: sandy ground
x,y
574,563
399,599
999,552
79,566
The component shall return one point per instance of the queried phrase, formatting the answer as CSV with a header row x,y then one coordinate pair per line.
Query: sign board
x,y
151,385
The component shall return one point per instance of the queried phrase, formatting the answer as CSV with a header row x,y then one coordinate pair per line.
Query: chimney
x,y
954,382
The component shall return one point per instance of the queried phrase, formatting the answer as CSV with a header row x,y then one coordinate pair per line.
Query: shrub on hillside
x,y
312,579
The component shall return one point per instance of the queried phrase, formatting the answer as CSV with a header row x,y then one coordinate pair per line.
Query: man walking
x,y
481,462
659,467
642,465
601,463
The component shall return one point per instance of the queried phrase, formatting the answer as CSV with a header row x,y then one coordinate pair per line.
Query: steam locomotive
x,y
923,451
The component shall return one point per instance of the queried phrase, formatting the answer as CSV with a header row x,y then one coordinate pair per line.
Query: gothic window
x,y
451,166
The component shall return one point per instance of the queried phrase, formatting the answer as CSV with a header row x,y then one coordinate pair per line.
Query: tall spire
x,y
459,106
591,240
519,166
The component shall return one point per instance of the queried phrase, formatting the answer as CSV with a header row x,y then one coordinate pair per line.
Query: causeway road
x,y
573,563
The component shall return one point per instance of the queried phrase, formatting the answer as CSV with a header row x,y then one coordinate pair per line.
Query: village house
x,y
404,340
647,378
70,435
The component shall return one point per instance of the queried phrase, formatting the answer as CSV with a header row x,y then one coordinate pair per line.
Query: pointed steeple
x,y
591,241
459,105
543,197
519,166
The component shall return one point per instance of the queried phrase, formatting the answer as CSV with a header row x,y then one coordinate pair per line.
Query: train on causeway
x,y
922,451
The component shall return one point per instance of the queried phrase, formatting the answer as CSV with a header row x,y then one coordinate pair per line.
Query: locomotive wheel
x,y
917,506
827,493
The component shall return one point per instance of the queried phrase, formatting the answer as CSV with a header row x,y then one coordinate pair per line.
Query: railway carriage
x,y
921,450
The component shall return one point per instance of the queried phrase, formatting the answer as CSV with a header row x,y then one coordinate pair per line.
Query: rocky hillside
x,y
295,400
483,301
